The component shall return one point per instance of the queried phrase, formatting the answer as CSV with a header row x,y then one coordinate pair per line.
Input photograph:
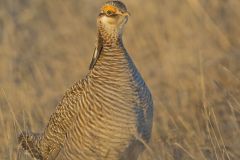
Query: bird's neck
x,y
112,45
112,56
110,37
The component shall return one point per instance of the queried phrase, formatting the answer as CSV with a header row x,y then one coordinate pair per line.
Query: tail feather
x,y
28,141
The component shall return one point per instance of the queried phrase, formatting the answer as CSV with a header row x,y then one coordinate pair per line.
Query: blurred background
x,y
188,52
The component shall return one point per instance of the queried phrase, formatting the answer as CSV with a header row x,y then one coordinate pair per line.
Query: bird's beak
x,y
126,14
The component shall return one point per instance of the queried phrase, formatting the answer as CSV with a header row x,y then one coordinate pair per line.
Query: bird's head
x,y
112,17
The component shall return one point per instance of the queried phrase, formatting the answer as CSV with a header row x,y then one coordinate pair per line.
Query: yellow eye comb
x,y
109,8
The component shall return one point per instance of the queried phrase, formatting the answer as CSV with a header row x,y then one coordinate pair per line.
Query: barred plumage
x,y
103,115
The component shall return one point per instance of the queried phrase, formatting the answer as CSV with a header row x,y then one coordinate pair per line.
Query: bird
x,y
108,114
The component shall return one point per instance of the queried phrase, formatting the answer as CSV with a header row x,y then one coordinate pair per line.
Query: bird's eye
x,y
109,12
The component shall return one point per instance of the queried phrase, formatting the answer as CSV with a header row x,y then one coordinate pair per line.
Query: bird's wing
x,y
144,112
52,139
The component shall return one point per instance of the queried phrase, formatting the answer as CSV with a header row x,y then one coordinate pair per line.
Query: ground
x,y
188,52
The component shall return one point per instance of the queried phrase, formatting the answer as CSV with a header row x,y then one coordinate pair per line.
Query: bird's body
x,y
103,116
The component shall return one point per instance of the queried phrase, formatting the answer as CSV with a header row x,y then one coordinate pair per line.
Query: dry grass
x,y
187,51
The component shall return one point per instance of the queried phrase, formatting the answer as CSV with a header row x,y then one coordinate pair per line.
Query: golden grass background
x,y
187,51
